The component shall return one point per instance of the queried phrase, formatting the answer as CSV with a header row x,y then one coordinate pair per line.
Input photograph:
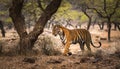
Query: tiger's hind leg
x,y
89,53
88,46
82,47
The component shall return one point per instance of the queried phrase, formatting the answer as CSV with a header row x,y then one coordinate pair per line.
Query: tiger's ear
x,y
61,30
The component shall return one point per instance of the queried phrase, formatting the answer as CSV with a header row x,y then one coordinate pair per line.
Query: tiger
x,y
73,36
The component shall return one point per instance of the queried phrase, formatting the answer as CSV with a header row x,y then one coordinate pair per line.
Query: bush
x,y
45,46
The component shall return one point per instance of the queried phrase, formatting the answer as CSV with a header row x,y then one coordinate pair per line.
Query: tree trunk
x,y
115,26
2,29
90,19
89,23
101,25
27,40
109,29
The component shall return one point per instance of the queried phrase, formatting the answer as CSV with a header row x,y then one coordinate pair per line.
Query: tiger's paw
x,y
67,54
64,54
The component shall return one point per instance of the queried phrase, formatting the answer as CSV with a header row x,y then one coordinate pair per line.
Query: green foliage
x,y
73,14
110,5
8,20
65,12
116,16
31,11
84,18
4,1
2,12
30,7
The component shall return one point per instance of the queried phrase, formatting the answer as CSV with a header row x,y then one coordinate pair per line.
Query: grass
x,y
44,46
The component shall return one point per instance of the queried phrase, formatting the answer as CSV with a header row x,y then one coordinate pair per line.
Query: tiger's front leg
x,y
66,50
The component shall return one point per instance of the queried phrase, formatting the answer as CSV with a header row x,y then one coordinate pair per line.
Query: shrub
x,y
45,46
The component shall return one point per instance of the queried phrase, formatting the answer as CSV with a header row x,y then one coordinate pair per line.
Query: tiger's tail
x,y
96,46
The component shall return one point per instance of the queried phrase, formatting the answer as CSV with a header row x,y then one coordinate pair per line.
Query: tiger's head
x,y
57,30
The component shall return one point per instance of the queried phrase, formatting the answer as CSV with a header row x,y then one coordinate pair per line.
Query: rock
x,y
117,53
69,53
96,60
83,60
103,38
77,62
36,66
29,60
97,36
54,61
0,49
117,66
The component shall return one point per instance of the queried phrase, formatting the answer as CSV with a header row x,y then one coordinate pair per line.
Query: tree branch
x,y
15,12
114,9
99,13
40,5
45,16
105,7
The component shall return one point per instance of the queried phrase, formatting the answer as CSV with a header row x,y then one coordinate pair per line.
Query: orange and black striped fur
x,y
74,36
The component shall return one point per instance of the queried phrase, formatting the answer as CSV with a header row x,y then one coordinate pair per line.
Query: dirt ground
x,y
106,57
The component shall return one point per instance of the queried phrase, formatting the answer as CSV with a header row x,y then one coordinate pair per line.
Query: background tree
x,y
116,19
27,40
2,29
82,6
4,13
106,10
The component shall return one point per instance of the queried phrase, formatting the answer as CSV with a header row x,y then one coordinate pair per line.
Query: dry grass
x,y
9,47
117,46
112,49
106,57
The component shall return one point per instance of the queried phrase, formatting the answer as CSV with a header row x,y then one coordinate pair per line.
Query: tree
x,y
106,10
82,5
84,9
2,28
116,19
27,40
